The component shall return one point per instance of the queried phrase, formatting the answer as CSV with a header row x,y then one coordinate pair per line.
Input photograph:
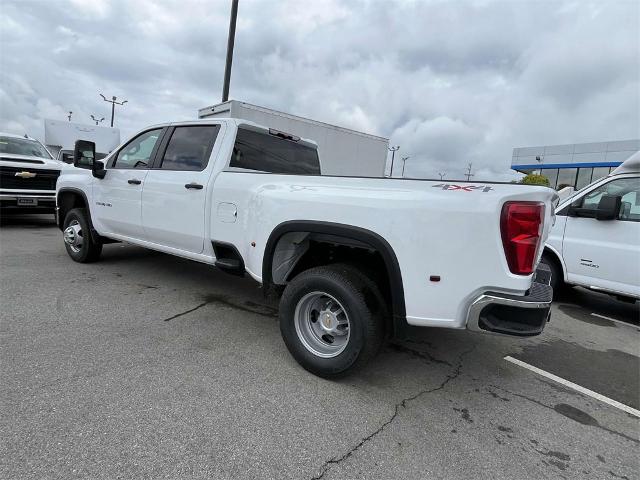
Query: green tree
x,y
535,179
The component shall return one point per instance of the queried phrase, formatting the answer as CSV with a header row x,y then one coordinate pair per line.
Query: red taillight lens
x,y
521,227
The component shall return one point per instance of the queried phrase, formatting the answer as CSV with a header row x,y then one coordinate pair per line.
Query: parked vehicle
x,y
342,151
355,260
595,242
28,175
60,137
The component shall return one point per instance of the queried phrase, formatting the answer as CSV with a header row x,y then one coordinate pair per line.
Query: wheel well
x,y
68,200
294,247
553,256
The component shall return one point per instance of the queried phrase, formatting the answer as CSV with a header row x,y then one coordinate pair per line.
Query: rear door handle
x,y
134,181
194,186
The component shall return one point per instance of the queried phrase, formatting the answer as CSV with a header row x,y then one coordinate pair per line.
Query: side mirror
x,y
609,207
98,169
84,153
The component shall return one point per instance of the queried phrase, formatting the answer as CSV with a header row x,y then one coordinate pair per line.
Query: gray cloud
x,y
451,82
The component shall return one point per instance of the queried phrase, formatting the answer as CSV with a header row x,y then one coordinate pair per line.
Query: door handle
x,y
194,186
134,181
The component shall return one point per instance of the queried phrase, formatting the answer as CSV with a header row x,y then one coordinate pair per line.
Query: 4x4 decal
x,y
466,188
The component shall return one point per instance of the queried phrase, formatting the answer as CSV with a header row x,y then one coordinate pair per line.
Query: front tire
x,y
78,240
557,278
330,321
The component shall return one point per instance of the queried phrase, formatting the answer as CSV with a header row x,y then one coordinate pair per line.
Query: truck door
x,y
118,194
606,253
175,190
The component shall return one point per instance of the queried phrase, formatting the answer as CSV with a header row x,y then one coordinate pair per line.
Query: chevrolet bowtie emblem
x,y
25,174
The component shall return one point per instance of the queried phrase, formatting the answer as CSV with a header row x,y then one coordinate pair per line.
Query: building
x,y
576,164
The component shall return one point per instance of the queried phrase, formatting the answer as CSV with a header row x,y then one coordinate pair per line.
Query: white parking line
x,y
614,320
567,383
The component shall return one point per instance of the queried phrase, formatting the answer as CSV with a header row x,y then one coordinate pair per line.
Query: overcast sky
x,y
450,82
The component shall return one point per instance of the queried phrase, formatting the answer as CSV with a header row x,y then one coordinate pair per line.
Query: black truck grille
x,y
44,179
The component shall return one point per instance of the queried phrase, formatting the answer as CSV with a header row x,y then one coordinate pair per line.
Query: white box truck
x,y
342,151
61,136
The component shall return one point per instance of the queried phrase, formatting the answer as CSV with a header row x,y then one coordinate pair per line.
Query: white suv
x,y
595,242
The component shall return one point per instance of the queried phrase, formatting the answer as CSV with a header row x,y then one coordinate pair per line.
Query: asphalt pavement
x,y
144,365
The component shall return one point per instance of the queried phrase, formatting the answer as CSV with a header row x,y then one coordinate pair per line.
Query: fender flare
x,y
363,235
558,257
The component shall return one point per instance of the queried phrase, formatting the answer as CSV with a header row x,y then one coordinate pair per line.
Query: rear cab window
x,y
266,152
189,147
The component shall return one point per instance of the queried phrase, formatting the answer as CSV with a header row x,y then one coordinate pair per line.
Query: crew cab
x,y
354,260
28,175
595,242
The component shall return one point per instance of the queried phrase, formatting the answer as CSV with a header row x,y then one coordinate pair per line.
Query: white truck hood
x,y
30,162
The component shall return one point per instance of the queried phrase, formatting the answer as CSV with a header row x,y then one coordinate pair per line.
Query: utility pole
x,y
69,116
230,44
393,151
97,120
404,161
469,174
442,175
113,103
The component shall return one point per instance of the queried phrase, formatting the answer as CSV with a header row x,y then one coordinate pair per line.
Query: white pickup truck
x,y
595,242
355,260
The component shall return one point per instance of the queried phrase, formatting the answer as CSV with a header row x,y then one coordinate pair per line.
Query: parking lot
x,y
145,365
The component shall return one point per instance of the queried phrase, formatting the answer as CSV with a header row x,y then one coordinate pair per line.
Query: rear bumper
x,y
521,316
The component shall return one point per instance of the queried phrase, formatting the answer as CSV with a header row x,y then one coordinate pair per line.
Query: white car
x,y
595,242
354,259
28,175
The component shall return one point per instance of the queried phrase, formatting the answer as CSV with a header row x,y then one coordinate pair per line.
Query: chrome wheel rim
x,y
322,324
73,236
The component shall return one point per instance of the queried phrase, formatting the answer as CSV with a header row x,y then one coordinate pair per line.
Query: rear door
x,y
176,188
606,253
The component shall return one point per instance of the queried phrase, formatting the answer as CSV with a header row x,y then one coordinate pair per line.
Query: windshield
x,y
22,146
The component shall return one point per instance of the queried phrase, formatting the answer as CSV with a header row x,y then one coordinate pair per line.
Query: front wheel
x,y
557,279
78,241
329,320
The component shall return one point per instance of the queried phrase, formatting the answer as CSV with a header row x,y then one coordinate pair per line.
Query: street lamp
x,y
96,119
442,175
230,43
113,103
393,151
69,116
404,161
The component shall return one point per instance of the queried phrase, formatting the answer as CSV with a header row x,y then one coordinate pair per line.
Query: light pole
x,y
230,44
442,175
393,151
69,116
96,119
404,161
113,103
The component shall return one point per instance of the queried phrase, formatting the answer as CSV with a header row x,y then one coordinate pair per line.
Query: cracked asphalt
x,y
148,366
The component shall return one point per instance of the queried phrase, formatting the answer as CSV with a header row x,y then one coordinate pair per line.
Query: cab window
x,y
137,153
627,188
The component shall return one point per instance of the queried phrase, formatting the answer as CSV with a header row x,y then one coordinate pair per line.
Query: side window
x,y
627,188
189,148
137,153
269,153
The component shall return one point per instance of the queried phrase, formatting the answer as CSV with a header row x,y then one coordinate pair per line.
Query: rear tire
x,y
331,321
78,240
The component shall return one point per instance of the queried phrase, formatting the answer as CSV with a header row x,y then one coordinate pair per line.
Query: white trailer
x,y
342,151
60,135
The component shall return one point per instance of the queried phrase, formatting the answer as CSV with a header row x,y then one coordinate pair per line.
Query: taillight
x,y
521,227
